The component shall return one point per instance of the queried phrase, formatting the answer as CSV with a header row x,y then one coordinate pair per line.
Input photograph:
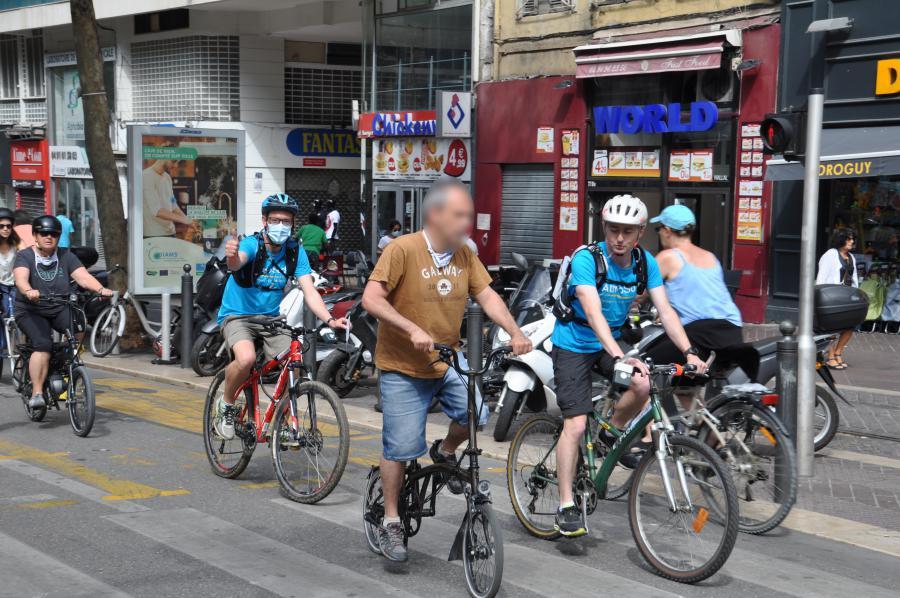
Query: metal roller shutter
x,y
526,224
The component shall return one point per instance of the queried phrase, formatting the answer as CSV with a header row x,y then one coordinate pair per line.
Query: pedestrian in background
x,y
23,228
65,240
838,266
9,241
394,230
312,236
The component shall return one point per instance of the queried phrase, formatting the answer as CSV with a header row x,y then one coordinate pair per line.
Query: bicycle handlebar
x,y
447,354
275,323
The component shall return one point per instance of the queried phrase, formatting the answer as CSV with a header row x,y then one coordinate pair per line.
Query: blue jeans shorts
x,y
405,401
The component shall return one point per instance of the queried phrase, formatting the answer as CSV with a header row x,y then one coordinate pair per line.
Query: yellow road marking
x,y
44,504
175,408
258,485
118,489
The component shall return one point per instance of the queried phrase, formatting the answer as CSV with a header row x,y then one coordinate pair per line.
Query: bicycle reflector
x,y
700,520
770,400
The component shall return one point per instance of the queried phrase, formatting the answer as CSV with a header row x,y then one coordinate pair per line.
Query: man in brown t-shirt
x,y
418,292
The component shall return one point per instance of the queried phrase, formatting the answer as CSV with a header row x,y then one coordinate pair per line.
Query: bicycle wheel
x,y
825,418
228,458
373,509
482,551
531,475
762,462
105,331
80,402
684,544
310,442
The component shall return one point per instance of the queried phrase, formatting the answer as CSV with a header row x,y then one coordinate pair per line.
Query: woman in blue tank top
x,y
696,288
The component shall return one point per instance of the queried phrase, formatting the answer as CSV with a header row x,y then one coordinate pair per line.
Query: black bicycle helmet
x,y
46,224
7,214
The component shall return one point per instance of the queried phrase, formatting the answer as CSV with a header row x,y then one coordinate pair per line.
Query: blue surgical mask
x,y
278,233
395,233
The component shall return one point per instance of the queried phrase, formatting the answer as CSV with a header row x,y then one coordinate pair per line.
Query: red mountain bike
x,y
304,423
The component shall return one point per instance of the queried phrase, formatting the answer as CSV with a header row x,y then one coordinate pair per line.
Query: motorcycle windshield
x,y
527,305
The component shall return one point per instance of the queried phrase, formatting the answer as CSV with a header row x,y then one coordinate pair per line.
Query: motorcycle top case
x,y
838,307
211,285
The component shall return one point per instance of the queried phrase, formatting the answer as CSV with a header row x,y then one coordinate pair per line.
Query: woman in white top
x,y
9,241
394,230
838,266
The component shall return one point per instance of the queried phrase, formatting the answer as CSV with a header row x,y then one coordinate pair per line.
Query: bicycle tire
x,y
282,410
825,435
482,540
373,509
210,438
748,469
107,326
540,528
81,424
729,525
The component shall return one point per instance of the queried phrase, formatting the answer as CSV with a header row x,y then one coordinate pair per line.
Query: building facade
x,y
587,100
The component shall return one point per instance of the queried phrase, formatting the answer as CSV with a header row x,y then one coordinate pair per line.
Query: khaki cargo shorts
x,y
238,328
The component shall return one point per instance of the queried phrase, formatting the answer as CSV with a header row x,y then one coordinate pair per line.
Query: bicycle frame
x,y
289,360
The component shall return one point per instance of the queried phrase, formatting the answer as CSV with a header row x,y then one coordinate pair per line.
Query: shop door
x,y
713,213
526,221
395,202
652,198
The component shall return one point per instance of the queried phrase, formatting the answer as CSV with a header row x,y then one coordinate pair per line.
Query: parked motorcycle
x,y
348,361
208,354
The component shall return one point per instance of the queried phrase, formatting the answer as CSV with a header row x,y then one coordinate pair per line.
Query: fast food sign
x,y
409,123
420,159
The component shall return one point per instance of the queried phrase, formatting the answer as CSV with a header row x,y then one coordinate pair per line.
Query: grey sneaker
x,y
37,402
391,541
224,419
570,523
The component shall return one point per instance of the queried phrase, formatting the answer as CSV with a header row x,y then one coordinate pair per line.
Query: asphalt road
x,y
134,510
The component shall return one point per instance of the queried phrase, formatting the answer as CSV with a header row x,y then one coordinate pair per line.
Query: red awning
x,y
631,59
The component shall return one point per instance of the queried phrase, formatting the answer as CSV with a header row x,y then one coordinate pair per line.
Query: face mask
x,y
395,233
441,260
47,262
278,233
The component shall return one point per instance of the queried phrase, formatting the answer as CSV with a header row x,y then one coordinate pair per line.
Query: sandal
x,y
840,361
832,364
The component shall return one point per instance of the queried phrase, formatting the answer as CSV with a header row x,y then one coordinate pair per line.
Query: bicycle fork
x,y
661,440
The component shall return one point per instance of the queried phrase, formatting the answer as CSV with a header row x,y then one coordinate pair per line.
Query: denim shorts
x,y
405,401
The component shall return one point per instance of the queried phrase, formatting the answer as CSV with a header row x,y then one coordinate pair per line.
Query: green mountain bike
x,y
682,505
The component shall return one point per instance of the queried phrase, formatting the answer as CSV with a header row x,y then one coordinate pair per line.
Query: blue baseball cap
x,y
676,217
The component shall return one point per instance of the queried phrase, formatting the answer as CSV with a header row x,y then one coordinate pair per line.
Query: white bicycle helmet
x,y
625,209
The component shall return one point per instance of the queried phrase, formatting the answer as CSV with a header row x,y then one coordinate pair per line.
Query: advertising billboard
x,y
186,198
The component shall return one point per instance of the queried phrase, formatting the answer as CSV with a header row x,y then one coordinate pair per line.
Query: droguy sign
x,y
654,118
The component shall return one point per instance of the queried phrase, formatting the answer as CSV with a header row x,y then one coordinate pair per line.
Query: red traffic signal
x,y
783,133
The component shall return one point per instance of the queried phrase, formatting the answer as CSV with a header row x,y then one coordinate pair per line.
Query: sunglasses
x,y
5,226
41,233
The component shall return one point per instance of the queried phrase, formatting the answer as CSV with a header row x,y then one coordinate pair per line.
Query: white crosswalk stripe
x,y
524,567
25,571
252,557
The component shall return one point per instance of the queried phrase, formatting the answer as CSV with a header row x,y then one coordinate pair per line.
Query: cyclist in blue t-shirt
x,y
256,288
591,337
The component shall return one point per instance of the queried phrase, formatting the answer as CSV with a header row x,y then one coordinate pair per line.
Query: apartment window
x,y
187,78
22,88
528,8
9,67
34,67
315,95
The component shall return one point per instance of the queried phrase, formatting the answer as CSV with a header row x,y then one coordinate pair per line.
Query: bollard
x,y
310,322
786,387
475,337
187,316
165,326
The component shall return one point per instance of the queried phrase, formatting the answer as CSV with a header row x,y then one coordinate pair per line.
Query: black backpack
x,y
562,304
250,272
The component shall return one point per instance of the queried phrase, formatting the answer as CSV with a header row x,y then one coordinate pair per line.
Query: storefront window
x,y
420,52
871,207
78,200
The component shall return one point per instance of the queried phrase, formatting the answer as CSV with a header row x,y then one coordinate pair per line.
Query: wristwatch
x,y
330,320
692,350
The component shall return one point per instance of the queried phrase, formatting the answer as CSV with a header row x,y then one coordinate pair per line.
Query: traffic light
x,y
785,133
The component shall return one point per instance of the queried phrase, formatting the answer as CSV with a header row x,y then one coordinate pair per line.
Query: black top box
x,y
839,307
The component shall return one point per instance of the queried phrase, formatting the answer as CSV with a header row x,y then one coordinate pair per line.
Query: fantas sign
x,y
412,123
654,118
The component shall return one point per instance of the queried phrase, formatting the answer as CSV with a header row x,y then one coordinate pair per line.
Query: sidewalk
x,y
854,496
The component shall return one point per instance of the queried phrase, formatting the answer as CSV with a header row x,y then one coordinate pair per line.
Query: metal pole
x,y
165,354
475,337
310,322
786,387
187,316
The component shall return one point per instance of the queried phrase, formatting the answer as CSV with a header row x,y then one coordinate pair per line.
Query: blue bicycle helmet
x,y
280,201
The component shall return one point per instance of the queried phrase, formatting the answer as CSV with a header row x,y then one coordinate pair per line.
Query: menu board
x,y
544,144
625,163
749,225
420,158
568,179
691,165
